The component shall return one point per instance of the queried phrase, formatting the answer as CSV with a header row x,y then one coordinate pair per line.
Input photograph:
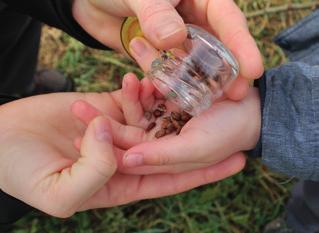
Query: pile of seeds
x,y
171,123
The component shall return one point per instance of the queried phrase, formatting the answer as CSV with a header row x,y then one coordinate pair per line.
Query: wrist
x,y
254,122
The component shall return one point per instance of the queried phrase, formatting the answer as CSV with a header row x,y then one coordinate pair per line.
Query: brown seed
x,y
165,123
157,113
148,115
182,123
178,130
171,126
176,116
189,35
185,116
150,126
162,107
169,130
176,124
160,133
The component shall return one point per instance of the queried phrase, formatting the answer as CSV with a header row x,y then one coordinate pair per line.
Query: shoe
x,y
50,81
278,225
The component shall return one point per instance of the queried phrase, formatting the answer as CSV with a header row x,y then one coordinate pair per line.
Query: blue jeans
x,y
303,208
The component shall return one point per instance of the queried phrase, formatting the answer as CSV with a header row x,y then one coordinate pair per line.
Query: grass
x,y
242,203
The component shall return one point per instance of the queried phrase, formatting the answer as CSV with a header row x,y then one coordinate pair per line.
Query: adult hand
x,y
224,19
160,22
163,26
42,164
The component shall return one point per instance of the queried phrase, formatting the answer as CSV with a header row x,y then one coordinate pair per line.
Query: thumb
x,y
160,22
97,162
92,170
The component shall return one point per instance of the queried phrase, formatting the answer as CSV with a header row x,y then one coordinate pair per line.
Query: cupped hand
x,y
43,163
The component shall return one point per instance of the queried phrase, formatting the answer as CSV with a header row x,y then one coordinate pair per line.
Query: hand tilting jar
x,y
197,73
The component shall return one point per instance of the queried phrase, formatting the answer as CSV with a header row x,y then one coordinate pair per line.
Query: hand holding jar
x,y
193,76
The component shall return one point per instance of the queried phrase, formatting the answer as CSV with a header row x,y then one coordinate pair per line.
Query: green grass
x,y
242,203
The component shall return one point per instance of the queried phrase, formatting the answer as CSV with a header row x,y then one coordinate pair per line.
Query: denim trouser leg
x,y
303,208
301,44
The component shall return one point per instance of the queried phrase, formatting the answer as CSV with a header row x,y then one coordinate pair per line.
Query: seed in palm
x,y
150,126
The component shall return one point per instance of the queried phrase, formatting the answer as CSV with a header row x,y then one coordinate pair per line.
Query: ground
x,y
241,204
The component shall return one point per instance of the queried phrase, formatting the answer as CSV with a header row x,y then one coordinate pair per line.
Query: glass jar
x,y
196,74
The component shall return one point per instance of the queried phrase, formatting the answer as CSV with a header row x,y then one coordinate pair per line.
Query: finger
x,y
131,105
143,52
84,111
205,146
160,22
154,186
165,151
226,19
238,89
167,169
147,94
118,154
123,136
76,184
188,180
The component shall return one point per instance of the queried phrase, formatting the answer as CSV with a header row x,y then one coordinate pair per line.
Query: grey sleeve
x,y
290,126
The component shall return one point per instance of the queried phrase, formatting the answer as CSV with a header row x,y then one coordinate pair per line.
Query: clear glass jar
x,y
196,74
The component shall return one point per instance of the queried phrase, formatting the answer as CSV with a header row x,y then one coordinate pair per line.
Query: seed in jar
x,y
150,126
157,113
148,115
176,116
191,72
162,107
160,133
198,77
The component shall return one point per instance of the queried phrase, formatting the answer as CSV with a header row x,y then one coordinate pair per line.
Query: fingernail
x,y
138,47
166,30
102,132
133,160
